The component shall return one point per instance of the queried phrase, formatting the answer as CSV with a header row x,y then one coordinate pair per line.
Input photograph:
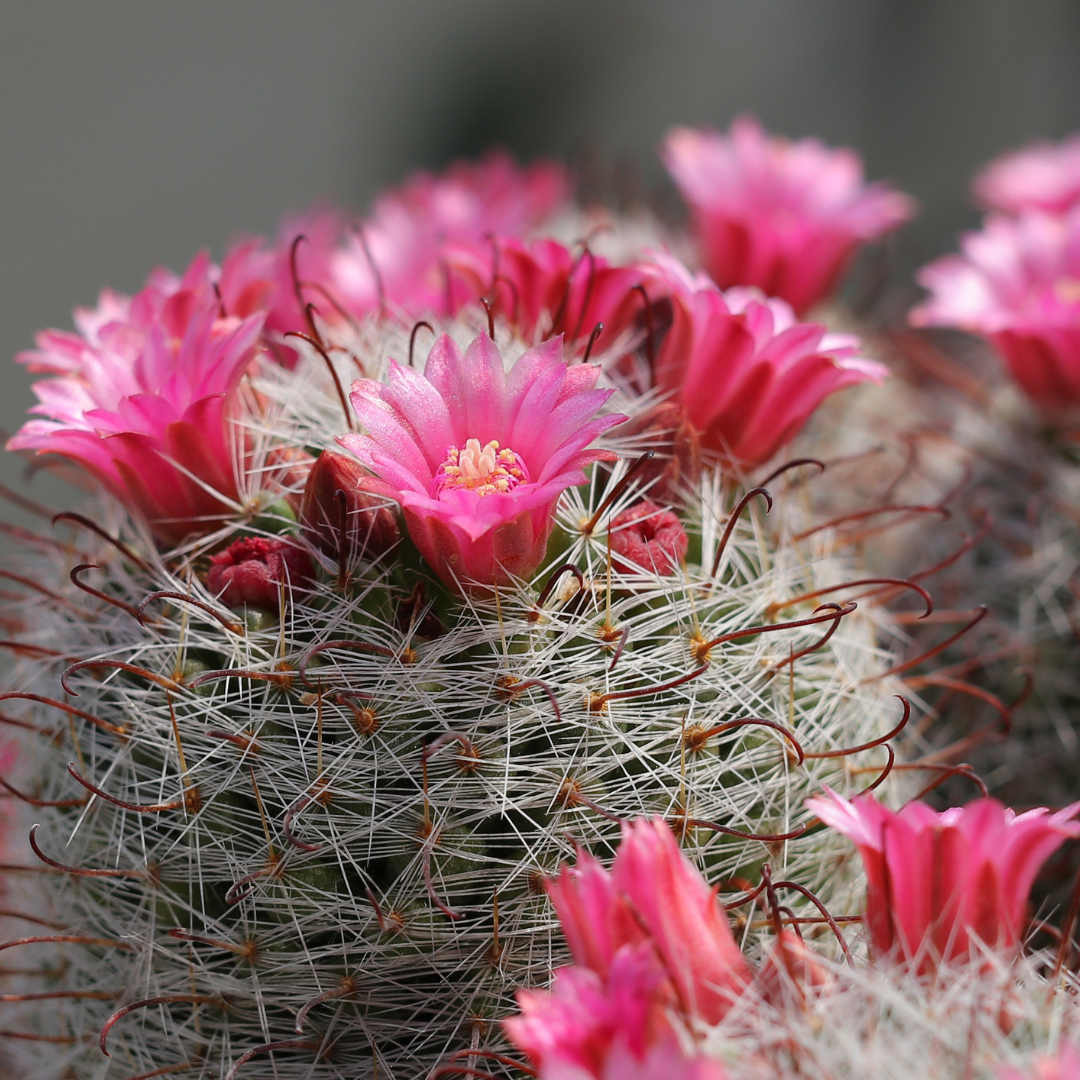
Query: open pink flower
x,y
1041,176
745,372
142,396
936,880
653,893
395,256
545,286
1017,283
618,1027
478,456
654,956
786,217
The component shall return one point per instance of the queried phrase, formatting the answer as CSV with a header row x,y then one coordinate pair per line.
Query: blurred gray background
x,y
134,132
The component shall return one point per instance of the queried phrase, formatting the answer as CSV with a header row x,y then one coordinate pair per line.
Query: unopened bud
x,y
252,572
648,536
341,516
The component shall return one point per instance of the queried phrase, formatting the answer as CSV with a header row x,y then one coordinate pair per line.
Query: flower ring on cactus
x,y
746,374
1017,283
478,456
253,571
142,397
1041,176
785,217
938,881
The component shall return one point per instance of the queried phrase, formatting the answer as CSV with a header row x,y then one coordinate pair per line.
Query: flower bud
x,y
250,571
648,536
338,485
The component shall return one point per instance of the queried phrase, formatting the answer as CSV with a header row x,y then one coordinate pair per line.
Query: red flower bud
x,y
338,485
648,536
249,572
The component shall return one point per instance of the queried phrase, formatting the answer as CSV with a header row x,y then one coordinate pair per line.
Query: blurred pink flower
x,y
745,372
648,536
937,880
251,571
621,1027
395,257
1064,1066
785,217
1017,283
477,456
1041,176
142,397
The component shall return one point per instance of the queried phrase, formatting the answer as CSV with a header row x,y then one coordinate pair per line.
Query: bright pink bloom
x,y
785,217
648,536
619,1028
478,456
249,572
683,918
746,373
544,286
142,398
395,256
653,893
1065,1066
1017,283
935,880
1041,176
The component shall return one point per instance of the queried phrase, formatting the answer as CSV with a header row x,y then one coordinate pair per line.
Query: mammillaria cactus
x,y
298,773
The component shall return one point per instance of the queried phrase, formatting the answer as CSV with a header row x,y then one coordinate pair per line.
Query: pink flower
x,y
1041,176
653,893
786,217
544,286
395,257
1017,283
250,572
1065,1066
477,456
648,536
936,880
619,1028
746,374
683,917
142,398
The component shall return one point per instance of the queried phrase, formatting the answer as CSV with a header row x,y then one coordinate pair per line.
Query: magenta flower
x,y
746,374
785,217
395,257
1041,176
650,537
617,1028
653,893
1017,283
936,880
477,456
544,287
251,572
142,398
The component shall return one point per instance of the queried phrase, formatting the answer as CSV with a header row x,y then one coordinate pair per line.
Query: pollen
x,y
484,469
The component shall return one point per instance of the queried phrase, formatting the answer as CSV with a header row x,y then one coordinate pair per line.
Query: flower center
x,y
483,469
